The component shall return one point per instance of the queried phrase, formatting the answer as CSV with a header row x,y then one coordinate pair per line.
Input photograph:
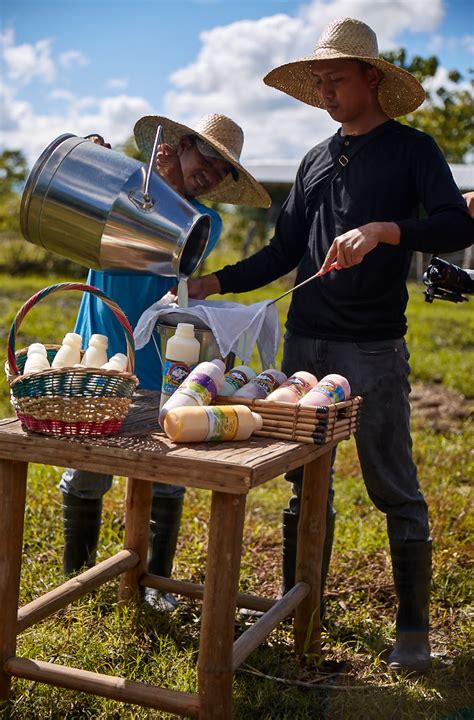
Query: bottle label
x,y
331,390
267,382
298,385
223,423
174,372
201,387
235,380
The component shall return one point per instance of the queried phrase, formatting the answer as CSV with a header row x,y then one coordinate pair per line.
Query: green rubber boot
x,y
81,525
165,521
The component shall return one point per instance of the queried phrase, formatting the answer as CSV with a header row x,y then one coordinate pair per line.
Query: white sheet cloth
x,y
236,328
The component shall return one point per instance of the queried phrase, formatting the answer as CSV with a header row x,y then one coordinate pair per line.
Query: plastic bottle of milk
x,y
294,388
69,353
181,355
211,423
96,354
261,385
330,389
199,388
237,378
36,359
118,362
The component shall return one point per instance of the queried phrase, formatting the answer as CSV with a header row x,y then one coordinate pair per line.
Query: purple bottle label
x,y
201,387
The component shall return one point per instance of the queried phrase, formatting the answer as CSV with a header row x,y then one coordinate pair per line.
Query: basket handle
x,y
61,287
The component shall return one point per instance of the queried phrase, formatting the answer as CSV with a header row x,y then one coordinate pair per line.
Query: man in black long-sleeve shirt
x,y
352,321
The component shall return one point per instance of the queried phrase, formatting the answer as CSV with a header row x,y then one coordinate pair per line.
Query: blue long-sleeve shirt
x,y
134,292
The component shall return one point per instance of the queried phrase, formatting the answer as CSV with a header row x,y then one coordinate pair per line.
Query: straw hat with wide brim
x,y
224,136
399,91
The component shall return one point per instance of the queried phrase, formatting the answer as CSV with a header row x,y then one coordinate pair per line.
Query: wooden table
x,y
230,471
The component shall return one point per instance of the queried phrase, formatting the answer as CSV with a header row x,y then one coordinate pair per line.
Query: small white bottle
x,y
237,378
69,354
181,356
96,354
36,359
118,362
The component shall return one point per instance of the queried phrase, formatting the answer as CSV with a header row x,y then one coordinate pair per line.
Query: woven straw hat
x,y
399,91
221,134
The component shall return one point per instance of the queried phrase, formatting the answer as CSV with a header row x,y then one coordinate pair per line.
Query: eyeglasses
x,y
209,151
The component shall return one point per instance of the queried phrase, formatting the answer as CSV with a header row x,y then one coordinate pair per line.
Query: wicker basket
x,y
314,425
70,401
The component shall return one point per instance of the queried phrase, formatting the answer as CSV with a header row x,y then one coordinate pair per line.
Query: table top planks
x,y
143,451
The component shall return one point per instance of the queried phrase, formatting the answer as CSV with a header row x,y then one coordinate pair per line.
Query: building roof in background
x,y
284,171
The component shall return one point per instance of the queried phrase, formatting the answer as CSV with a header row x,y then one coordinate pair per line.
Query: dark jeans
x,y
378,371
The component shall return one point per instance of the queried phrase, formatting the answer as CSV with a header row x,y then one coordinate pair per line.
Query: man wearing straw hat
x,y
202,162
354,211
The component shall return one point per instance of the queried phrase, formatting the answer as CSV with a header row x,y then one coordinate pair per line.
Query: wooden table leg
x,y
311,534
12,512
137,528
215,671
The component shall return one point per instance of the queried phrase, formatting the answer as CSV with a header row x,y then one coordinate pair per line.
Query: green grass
x,y
354,683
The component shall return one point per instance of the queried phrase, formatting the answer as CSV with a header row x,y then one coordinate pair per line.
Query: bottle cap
x,y
218,363
36,348
185,330
72,339
99,340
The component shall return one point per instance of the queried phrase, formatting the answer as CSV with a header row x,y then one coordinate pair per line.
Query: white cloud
x,y
72,57
226,76
112,117
22,127
117,83
441,80
29,62
25,62
59,94
438,42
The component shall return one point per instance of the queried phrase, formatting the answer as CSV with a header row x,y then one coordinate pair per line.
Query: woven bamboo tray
x,y
70,401
316,425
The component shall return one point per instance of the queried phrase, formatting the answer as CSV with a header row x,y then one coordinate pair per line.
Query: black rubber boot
x,y
411,563
81,525
290,536
165,521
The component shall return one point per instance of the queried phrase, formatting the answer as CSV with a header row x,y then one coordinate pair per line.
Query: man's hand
x,y
469,198
169,167
98,140
350,248
200,288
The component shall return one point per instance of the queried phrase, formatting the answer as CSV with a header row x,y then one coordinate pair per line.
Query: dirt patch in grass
x,y
439,407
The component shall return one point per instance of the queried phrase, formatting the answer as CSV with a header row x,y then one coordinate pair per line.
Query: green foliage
x,y
447,117
12,170
12,174
129,147
441,341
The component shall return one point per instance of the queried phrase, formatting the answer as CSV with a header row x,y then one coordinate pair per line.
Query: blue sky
x,y
98,65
